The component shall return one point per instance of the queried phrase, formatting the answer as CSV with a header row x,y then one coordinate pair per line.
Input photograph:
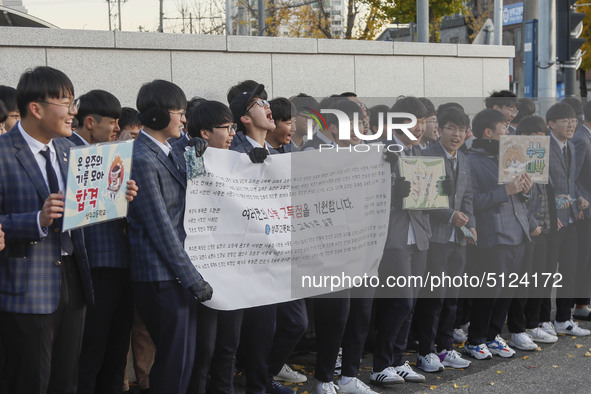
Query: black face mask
x,y
489,146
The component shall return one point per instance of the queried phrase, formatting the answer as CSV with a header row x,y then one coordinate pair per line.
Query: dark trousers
x,y
584,265
218,336
42,350
169,312
435,312
106,332
292,321
258,328
562,252
394,308
488,314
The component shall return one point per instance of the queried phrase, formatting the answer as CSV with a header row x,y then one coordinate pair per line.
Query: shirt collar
x,y
404,148
34,145
256,144
560,144
166,148
83,140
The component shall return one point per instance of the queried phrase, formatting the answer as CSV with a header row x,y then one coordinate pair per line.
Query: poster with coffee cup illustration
x,y
521,154
97,183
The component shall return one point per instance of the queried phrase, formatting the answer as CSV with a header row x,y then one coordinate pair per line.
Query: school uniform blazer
x,y
502,219
563,182
156,232
31,266
460,200
400,220
582,142
107,244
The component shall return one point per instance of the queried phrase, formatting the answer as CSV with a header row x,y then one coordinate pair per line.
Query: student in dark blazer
x,y
435,315
582,142
165,282
504,224
563,245
44,275
108,323
405,254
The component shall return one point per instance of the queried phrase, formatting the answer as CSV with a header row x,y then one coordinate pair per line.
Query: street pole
x,y
261,6
423,20
228,17
546,54
109,9
119,12
498,15
161,26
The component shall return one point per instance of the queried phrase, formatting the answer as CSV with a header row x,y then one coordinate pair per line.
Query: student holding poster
x,y
108,323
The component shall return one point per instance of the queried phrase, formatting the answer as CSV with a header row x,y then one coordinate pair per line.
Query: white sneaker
x,y
453,359
288,375
459,336
464,327
539,335
499,347
548,328
570,328
522,341
408,374
479,352
326,388
430,363
354,386
387,376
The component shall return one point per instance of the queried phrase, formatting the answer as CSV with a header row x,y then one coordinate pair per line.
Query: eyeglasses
x,y
572,121
74,106
231,128
454,129
181,114
260,102
15,116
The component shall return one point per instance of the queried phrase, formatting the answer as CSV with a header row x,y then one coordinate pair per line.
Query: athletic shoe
x,y
339,363
582,313
479,352
354,386
464,327
429,363
548,328
539,335
570,328
499,347
387,376
522,341
326,388
460,336
408,374
277,388
453,359
288,375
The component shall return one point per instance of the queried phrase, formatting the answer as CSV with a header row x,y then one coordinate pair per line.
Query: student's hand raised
x,y
53,208
200,145
527,183
258,155
201,290
515,186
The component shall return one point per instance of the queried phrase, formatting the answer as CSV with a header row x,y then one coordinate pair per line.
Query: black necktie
x,y
66,241
566,155
172,159
452,162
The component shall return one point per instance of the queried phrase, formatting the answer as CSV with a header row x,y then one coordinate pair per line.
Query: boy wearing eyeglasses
x,y
165,282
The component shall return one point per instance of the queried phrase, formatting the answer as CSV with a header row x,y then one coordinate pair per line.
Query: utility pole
x,y
546,54
191,22
229,18
498,15
119,12
109,9
183,19
161,26
261,6
423,20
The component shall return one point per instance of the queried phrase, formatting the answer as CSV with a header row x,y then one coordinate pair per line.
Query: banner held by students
x,y
96,183
255,231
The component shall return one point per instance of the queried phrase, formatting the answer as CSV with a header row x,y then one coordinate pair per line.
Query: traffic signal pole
x,y
546,53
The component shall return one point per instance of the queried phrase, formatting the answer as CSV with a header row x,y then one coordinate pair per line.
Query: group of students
x,y
68,299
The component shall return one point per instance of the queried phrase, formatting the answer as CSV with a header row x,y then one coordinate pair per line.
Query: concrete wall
x,y
207,65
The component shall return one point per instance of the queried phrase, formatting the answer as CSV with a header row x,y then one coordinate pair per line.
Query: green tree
x,y
405,11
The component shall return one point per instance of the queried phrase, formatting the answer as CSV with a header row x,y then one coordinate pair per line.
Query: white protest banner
x,y
97,183
254,231
524,154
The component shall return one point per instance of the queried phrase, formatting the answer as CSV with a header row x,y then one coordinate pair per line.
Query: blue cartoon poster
x,y
97,183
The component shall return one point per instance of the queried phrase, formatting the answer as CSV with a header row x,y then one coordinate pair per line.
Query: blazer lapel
x,y
176,172
558,153
25,156
63,158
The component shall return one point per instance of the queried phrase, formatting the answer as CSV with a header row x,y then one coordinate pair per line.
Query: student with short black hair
x,y
108,322
305,106
129,122
283,112
8,98
562,121
504,225
504,101
525,107
165,282
432,130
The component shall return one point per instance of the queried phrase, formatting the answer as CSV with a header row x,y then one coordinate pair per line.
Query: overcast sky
x,y
93,14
